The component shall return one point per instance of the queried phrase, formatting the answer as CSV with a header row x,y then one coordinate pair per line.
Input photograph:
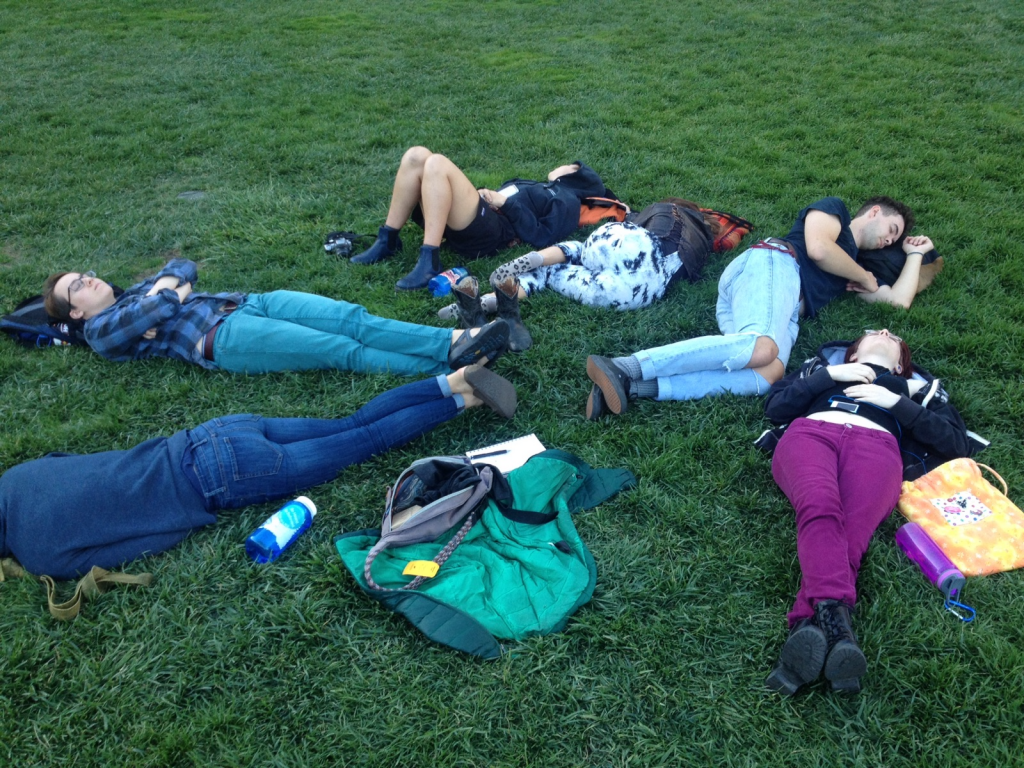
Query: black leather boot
x,y
387,243
801,659
427,266
467,296
507,293
845,662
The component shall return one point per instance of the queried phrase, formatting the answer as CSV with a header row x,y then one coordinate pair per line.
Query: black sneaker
x,y
595,403
611,380
801,659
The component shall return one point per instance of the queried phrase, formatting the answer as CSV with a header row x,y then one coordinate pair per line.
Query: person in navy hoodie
x,y
432,191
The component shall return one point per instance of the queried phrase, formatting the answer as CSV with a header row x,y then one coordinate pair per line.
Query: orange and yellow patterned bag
x,y
977,527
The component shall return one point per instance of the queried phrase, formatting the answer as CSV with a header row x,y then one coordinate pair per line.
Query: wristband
x,y
919,253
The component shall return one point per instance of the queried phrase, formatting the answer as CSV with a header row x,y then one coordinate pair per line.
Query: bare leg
x,y
766,352
447,197
459,386
408,182
563,170
772,372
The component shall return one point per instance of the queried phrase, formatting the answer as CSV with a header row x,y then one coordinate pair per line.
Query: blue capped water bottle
x,y
442,284
279,530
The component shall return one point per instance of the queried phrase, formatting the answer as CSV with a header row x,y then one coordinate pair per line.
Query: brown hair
x,y
906,369
712,223
890,207
57,306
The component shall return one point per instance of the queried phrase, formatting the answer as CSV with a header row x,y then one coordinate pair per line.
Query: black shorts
x,y
487,234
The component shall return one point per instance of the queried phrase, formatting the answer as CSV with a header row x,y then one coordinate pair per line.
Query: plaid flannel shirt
x,y
116,333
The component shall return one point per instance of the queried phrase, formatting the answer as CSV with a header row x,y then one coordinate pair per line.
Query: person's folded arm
x,y
908,284
115,332
821,231
539,231
183,269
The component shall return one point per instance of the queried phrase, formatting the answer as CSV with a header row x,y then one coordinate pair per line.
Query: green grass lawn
x,y
291,117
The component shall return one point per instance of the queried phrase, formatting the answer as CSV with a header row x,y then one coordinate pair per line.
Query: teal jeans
x,y
290,331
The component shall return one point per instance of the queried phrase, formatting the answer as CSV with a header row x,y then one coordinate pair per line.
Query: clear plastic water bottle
x,y
279,530
442,284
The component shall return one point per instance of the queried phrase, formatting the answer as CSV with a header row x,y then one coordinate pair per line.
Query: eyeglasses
x,y
78,283
892,336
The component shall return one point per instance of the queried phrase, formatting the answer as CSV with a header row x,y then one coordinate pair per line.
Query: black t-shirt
x,y
818,287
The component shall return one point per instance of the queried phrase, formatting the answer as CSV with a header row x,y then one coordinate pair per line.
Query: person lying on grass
x,y
761,295
62,514
430,189
256,333
620,266
841,464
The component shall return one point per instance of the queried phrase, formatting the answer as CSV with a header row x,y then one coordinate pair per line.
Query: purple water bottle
x,y
932,561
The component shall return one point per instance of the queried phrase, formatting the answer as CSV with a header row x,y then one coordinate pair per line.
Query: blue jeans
x,y
291,331
758,295
245,459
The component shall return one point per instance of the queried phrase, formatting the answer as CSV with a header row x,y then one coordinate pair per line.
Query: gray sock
x,y
645,389
630,365
525,263
489,302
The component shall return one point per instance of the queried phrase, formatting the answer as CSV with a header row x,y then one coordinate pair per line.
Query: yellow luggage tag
x,y
426,568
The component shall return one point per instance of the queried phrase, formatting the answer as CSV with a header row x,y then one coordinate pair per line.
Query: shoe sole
x,y
845,666
804,653
595,403
598,375
485,344
497,393
800,662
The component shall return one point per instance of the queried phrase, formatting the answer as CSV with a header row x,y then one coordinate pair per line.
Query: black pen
x,y
488,455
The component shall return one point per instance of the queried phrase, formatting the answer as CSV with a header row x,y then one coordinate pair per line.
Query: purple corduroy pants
x,y
843,481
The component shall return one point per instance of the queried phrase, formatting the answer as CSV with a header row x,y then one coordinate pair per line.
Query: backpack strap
x,y
94,583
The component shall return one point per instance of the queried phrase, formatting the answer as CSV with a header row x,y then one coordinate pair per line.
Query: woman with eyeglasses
x,y
855,429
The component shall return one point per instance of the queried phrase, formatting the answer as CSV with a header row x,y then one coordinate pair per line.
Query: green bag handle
x,y
94,583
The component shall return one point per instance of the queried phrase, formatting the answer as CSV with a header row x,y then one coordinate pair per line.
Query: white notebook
x,y
508,455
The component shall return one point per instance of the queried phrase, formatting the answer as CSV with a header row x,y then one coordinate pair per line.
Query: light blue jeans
x,y
290,331
758,295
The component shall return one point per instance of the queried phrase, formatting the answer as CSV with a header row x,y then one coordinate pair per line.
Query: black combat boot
x,y
801,659
845,662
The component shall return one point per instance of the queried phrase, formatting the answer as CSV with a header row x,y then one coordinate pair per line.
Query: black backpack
x,y
31,326
680,229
